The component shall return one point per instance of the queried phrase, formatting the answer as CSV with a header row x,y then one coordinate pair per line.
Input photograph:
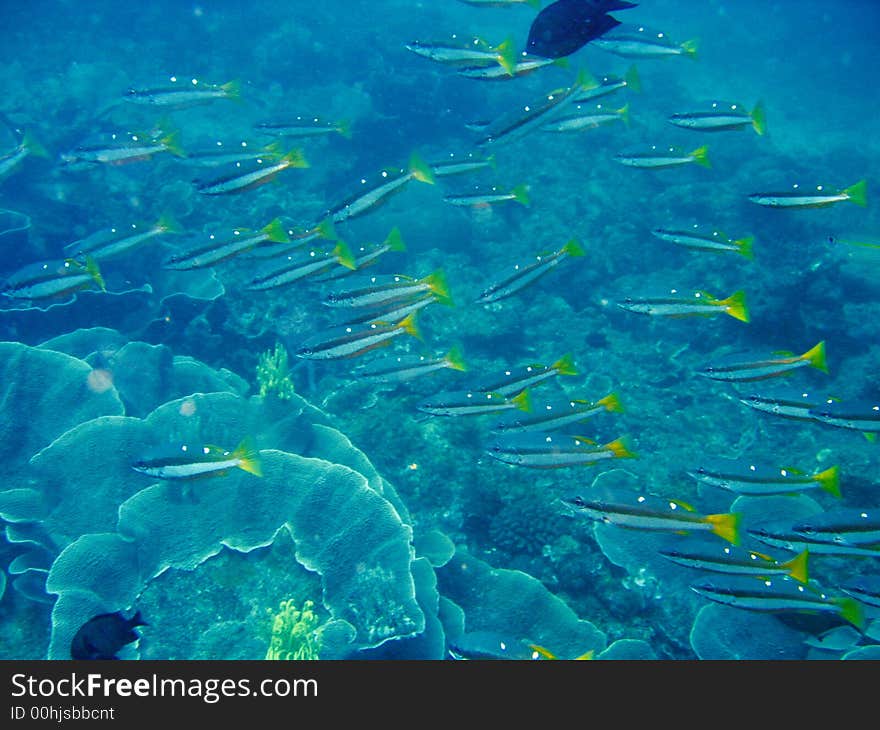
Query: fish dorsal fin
x,y
214,450
763,556
542,651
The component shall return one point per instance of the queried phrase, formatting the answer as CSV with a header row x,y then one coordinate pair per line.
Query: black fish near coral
x,y
565,26
102,636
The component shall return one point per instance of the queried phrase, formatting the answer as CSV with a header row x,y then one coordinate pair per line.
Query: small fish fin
x,y
343,126
491,160
420,169
763,556
735,305
248,457
32,146
621,448
542,651
295,158
344,255
232,89
689,48
612,403
871,437
521,194
857,193
797,567
584,440
816,357
137,620
726,526
545,653
168,224
586,656
759,121
687,506
171,142
455,359
437,284
507,56
523,401
573,248
394,240
565,365
561,62
851,610
623,113
744,247
276,232
631,77
536,4
701,156
409,324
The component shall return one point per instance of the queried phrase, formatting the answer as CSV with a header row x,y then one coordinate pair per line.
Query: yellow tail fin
x,y
829,480
701,156
171,142
295,158
344,255
797,567
275,231
726,526
521,194
232,90
735,306
420,169
621,448
394,241
248,457
343,126
523,401
759,122
573,248
632,79
858,193
816,357
437,284
851,610
744,246
689,48
565,365
455,359
612,403
168,224
507,56
409,324
95,272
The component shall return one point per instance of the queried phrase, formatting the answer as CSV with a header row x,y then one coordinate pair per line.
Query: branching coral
x,y
273,374
294,632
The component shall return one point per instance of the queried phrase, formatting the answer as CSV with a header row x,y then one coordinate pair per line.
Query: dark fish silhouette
x,y
105,634
567,25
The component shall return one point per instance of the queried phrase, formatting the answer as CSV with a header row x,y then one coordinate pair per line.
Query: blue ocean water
x,y
409,538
